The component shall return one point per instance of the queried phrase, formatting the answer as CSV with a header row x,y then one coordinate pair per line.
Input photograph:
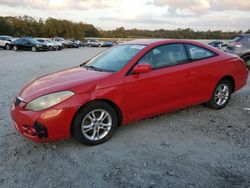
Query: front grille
x,y
18,100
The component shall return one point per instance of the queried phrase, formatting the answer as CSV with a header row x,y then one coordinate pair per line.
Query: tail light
x,y
237,44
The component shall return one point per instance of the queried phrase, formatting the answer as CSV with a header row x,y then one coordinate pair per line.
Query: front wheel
x,y
246,59
221,95
51,48
15,48
95,123
33,49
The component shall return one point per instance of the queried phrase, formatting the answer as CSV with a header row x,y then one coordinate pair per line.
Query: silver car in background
x,y
240,46
52,45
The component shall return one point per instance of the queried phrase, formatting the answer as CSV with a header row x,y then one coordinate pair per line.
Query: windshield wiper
x,y
93,68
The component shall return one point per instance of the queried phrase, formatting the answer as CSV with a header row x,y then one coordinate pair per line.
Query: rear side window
x,y
165,56
197,52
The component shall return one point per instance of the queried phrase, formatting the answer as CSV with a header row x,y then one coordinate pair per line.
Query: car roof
x,y
145,41
159,41
5,36
245,34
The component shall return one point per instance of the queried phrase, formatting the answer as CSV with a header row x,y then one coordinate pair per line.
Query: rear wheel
x,y
246,59
95,123
221,95
7,46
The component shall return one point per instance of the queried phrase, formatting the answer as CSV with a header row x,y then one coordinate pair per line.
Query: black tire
x,y
15,48
51,48
82,115
213,103
7,46
246,59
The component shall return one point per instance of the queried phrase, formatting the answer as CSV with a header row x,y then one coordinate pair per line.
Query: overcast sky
x,y
226,15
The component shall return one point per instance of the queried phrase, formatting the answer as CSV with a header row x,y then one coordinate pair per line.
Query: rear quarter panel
x,y
207,74
240,73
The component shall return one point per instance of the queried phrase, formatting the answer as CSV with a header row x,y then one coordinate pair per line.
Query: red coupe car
x,y
128,82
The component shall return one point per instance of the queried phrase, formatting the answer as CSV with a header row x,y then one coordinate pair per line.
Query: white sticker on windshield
x,y
137,47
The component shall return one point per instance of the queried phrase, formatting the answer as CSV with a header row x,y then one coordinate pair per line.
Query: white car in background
x,y
59,44
5,41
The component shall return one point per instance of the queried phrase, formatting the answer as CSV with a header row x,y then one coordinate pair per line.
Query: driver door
x,y
167,87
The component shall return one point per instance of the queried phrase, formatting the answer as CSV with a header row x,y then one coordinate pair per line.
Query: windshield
x,y
48,40
115,58
34,41
237,39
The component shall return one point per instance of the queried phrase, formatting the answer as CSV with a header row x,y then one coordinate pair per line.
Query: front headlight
x,y
48,101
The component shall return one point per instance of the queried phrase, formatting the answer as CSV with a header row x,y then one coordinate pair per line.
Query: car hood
x,y
68,79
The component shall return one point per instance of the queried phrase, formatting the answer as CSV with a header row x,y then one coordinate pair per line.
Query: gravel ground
x,y
194,147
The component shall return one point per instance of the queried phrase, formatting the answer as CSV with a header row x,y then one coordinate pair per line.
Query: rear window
x,y
197,52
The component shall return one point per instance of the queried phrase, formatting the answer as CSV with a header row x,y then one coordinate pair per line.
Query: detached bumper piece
x,y
41,130
37,130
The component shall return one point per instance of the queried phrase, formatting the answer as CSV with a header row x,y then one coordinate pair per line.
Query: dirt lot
x,y
194,147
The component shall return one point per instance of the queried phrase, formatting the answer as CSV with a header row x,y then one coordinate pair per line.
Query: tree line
x,y
51,27
28,26
177,34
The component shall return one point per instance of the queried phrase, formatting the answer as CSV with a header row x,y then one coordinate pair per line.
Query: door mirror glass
x,y
142,68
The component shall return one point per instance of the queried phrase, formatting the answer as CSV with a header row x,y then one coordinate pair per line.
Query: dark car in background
x,y
240,45
107,44
28,44
84,43
71,44
76,42
217,44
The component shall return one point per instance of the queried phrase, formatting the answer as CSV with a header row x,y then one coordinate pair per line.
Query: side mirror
x,y
142,68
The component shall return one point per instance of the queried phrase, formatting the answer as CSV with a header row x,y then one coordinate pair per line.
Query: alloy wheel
x,y
7,47
222,94
33,49
96,124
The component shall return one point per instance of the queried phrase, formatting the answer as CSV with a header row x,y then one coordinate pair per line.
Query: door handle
x,y
189,74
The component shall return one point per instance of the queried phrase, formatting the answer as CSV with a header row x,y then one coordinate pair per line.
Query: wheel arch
x,y
229,78
111,103
245,54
